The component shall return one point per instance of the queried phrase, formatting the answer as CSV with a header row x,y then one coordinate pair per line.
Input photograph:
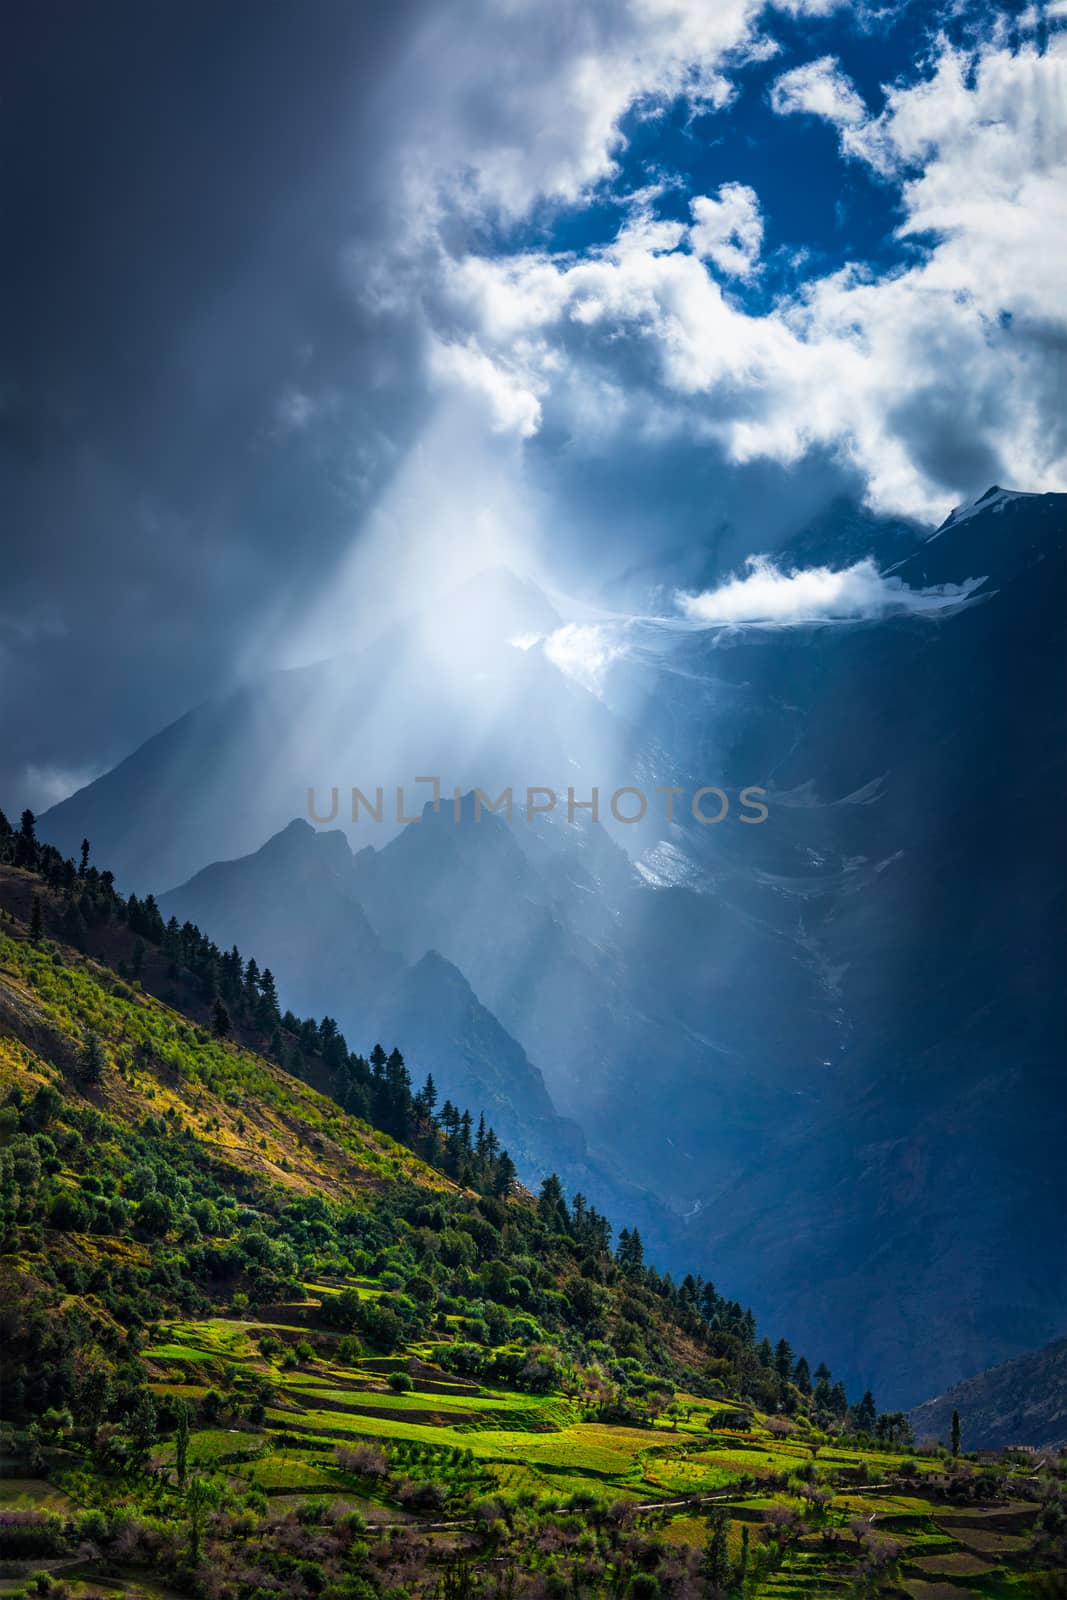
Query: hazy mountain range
x,y
829,1049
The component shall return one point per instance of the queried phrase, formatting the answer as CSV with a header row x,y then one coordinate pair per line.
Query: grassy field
x,y
409,1450
822,1533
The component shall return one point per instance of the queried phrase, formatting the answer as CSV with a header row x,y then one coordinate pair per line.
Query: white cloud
x,y
821,89
932,380
814,594
525,100
584,651
729,230
512,406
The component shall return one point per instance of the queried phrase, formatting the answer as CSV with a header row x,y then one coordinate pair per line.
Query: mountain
x,y
1020,1402
623,992
294,904
915,769
832,1045
291,904
892,956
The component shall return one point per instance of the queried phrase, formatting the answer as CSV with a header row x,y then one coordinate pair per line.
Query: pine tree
x,y
26,842
955,1433
200,1497
504,1177
84,859
715,1563
866,1413
92,1060
551,1205
267,1007
220,1019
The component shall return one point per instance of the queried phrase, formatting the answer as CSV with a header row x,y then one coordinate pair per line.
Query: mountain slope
x,y
251,1347
1020,1402
253,1125
293,904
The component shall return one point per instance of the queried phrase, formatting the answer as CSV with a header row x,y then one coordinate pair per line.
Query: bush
x,y
400,1383
365,1459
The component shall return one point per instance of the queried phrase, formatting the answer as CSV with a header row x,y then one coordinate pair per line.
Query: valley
x,y
255,1345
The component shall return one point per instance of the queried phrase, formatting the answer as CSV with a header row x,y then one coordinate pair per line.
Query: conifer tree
x,y
267,1005
715,1563
866,1413
92,1061
26,843
504,1176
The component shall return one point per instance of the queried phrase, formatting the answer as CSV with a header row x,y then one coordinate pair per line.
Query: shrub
x,y
365,1459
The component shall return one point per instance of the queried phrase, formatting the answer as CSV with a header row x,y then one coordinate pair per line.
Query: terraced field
x,y
829,1520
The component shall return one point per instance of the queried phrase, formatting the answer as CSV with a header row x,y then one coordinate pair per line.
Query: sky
x,y
312,311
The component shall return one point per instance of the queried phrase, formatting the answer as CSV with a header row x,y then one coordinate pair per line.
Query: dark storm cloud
x,y
185,181
286,351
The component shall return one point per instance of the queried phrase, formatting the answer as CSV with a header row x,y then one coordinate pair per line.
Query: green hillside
x,y
257,1348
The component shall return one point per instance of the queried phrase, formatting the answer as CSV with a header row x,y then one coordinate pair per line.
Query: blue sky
x,y
815,204
313,313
